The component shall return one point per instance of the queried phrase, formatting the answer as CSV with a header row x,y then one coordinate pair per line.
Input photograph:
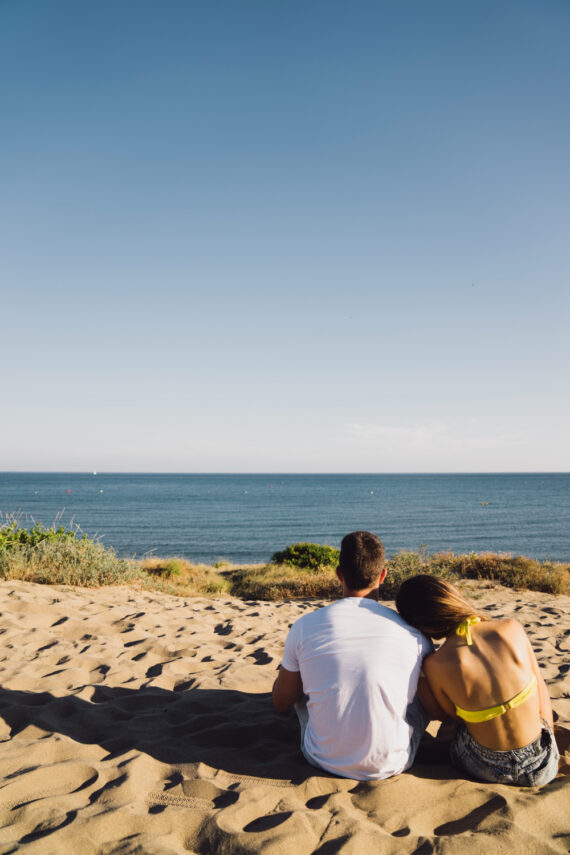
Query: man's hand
x,y
287,689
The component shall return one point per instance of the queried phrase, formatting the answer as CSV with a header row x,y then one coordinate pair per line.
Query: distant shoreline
x,y
275,474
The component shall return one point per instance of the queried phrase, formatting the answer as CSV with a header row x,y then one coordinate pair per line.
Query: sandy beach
x,y
133,722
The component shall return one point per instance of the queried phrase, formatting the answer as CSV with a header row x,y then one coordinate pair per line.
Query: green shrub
x,y
308,556
61,556
68,561
12,534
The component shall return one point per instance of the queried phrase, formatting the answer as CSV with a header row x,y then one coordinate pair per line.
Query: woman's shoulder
x,y
436,660
506,627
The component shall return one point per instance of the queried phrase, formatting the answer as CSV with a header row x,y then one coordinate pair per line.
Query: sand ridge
x,y
133,722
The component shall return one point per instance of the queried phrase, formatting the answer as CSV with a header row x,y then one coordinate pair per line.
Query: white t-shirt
x,y
360,664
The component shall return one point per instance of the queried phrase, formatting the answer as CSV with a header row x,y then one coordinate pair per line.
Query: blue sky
x,y
285,237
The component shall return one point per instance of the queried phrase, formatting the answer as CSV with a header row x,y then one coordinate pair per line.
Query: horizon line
x,y
96,472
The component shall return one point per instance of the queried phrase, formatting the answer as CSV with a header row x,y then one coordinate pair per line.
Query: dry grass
x,y
512,571
85,562
182,578
281,582
69,562
273,582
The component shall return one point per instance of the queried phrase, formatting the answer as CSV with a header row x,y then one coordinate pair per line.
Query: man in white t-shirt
x,y
351,670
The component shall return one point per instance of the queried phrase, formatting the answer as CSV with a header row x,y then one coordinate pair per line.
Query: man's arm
x,y
287,689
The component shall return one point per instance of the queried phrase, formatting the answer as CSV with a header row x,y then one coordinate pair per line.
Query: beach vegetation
x,y
13,534
68,561
165,568
272,582
401,567
181,577
67,556
307,556
283,582
516,571
60,555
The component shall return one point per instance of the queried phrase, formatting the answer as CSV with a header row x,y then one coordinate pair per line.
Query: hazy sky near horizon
x,y
286,237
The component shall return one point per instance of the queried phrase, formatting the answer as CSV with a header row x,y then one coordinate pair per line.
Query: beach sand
x,y
133,722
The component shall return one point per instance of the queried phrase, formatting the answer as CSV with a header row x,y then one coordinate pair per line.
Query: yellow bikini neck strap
x,y
463,628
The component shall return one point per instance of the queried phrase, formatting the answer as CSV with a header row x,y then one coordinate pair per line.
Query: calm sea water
x,y
245,518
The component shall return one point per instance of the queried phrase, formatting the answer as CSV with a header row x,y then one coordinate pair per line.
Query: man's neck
x,y
364,594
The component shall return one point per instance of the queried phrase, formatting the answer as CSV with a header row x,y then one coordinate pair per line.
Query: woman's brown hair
x,y
432,605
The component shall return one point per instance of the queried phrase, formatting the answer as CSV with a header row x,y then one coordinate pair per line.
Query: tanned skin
x,y
491,671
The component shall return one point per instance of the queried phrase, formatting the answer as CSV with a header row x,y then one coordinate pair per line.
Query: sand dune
x,y
140,723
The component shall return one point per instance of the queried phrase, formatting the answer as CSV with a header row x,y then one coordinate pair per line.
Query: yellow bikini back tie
x,y
476,716
463,628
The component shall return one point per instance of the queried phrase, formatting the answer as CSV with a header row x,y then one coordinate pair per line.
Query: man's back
x,y
359,664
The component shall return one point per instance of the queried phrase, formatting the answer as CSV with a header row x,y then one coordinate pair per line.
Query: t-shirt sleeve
x,y
290,659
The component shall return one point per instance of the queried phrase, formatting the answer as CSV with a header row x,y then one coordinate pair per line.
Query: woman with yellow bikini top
x,y
486,677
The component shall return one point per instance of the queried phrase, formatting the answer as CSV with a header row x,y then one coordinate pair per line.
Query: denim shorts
x,y
532,766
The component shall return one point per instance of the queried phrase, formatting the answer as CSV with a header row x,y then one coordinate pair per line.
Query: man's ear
x,y
339,575
382,576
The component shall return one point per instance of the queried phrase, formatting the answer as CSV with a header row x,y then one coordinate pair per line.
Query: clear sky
x,y
291,236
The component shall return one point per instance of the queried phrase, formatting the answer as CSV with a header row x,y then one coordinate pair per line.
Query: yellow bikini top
x,y
463,628
476,716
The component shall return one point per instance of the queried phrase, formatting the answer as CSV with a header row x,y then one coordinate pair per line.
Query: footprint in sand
x,y
209,792
58,779
265,823
224,628
260,656
470,821
317,802
47,822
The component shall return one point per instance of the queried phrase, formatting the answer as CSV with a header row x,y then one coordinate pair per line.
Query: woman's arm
x,y
429,701
441,707
544,703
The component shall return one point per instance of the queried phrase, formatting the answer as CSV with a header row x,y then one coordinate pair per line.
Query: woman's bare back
x,y
497,666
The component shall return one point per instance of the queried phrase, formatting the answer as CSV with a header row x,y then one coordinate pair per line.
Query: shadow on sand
x,y
238,732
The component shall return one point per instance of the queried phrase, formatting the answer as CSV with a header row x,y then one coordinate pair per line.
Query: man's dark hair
x,y
361,559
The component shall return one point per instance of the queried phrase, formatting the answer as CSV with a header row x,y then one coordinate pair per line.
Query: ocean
x,y
245,518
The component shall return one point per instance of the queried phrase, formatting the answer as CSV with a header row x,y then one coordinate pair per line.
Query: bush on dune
x,y
61,556
68,562
12,534
307,556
